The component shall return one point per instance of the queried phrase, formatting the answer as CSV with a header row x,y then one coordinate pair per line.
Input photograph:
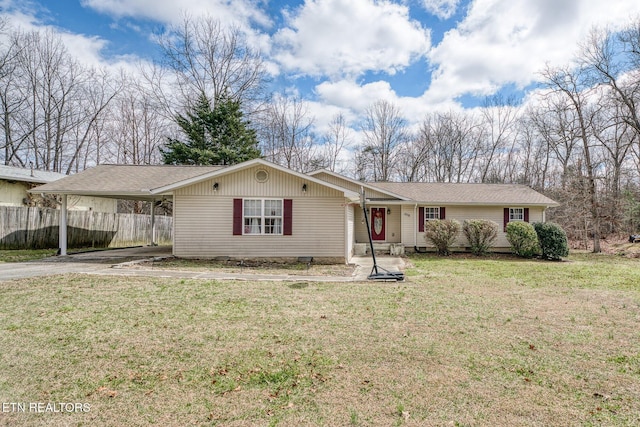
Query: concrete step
x,y
380,249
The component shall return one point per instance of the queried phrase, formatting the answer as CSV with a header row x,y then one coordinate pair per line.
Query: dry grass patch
x,y
462,342
251,266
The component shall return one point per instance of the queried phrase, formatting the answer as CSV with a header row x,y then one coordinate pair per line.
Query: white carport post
x,y
153,222
62,234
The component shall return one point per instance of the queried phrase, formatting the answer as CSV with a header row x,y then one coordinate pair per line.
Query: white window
x,y
262,216
516,214
431,213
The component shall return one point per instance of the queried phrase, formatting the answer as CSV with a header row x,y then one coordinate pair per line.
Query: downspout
x,y
415,226
347,244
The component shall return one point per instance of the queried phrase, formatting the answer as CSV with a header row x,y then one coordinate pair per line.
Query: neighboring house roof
x,y
14,173
467,194
124,181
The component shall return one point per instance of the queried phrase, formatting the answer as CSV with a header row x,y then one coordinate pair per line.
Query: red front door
x,y
378,227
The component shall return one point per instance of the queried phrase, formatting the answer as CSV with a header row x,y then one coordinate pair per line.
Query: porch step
x,y
380,248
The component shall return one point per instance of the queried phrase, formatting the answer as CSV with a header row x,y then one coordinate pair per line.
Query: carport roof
x,y
124,181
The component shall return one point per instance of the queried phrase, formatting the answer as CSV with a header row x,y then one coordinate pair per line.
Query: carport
x,y
127,182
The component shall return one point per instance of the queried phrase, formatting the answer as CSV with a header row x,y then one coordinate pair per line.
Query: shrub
x,y
442,233
523,239
553,240
480,233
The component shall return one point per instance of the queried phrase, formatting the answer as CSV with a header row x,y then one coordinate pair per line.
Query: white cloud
x,y
238,12
350,96
506,41
87,50
349,37
443,9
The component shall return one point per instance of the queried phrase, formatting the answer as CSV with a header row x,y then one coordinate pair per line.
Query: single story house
x,y
258,209
15,183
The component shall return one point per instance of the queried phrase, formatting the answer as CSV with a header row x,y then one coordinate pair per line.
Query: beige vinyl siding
x,y
204,228
244,184
393,224
410,226
203,219
461,213
13,194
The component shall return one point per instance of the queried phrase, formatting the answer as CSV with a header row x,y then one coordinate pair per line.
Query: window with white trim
x,y
516,214
431,213
262,216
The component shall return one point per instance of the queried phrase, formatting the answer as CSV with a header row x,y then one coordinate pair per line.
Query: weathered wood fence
x,y
38,228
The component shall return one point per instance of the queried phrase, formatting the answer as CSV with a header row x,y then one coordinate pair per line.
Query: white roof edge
x,y
109,194
245,165
363,184
443,203
463,204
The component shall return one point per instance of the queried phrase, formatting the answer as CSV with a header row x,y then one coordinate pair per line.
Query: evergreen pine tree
x,y
218,136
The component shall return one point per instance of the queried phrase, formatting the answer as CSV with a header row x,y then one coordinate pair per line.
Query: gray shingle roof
x,y
136,181
123,180
14,173
464,194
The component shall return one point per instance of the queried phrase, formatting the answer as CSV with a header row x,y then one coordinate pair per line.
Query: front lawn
x,y
463,341
20,255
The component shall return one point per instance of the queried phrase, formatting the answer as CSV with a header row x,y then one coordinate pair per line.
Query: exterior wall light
x,y
304,188
215,186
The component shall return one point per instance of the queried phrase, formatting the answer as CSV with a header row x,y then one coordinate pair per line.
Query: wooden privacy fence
x,y
38,228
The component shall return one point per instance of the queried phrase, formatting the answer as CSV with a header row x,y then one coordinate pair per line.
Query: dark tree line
x,y
576,139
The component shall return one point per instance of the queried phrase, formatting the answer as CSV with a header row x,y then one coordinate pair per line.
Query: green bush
x,y
480,233
442,233
553,240
523,239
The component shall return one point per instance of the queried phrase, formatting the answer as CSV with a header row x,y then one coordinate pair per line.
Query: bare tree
x,y
573,86
50,104
499,134
137,128
205,57
337,139
414,156
614,61
554,121
97,91
384,131
12,101
450,143
534,155
286,134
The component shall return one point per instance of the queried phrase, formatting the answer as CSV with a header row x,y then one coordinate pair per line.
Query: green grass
x,y
464,341
20,255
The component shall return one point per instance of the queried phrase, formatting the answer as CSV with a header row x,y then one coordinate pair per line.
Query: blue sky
x,y
342,55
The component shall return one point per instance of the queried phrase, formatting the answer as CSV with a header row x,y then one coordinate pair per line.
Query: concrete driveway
x,y
86,262
109,263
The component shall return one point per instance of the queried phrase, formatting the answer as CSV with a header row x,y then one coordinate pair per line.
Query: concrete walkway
x,y
116,263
